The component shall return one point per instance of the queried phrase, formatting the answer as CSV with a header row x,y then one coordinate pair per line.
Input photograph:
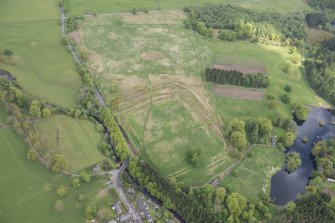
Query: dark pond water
x,y
284,186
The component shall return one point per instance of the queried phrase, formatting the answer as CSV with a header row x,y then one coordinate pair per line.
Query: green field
x,y
27,188
253,175
42,65
274,59
170,133
77,140
80,7
153,59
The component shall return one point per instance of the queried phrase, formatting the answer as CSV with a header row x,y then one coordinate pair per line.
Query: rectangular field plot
x,y
237,92
77,140
170,133
252,176
139,45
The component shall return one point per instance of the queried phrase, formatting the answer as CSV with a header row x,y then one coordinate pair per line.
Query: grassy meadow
x,y
253,175
28,188
77,140
132,49
275,59
42,65
170,133
80,7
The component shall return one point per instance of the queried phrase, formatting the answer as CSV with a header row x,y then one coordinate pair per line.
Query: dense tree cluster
x,y
310,208
236,78
323,4
315,19
169,193
193,156
301,112
71,24
240,23
258,130
288,139
316,67
119,142
324,154
293,161
236,133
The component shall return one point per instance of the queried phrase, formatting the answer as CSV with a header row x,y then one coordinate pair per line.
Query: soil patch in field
x,y
238,92
75,36
240,68
160,17
150,56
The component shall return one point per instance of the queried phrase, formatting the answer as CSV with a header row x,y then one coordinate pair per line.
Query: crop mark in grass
x,y
180,173
22,166
31,196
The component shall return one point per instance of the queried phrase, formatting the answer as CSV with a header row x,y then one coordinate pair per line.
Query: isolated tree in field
x,y
32,154
288,88
59,206
301,112
35,109
90,212
285,98
58,163
76,183
7,52
86,177
61,191
194,157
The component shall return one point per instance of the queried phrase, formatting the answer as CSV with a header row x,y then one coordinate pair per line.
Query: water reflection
x,y
285,187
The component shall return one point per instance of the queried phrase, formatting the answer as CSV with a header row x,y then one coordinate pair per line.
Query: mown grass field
x,y
253,175
42,65
77,140
80,7
28,189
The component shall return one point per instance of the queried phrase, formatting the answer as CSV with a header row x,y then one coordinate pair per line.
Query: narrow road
x,y
116,179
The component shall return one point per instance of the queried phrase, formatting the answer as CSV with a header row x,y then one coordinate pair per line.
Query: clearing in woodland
x,y
252,177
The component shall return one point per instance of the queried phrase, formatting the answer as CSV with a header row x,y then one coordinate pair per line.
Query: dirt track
x,y
238,92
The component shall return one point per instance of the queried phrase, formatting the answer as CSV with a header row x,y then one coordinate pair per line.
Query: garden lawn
x,y
42,65
78,140
80,7
28,189
170,134
253,175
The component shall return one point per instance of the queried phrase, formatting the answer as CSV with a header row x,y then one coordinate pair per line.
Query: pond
x,y
285,187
